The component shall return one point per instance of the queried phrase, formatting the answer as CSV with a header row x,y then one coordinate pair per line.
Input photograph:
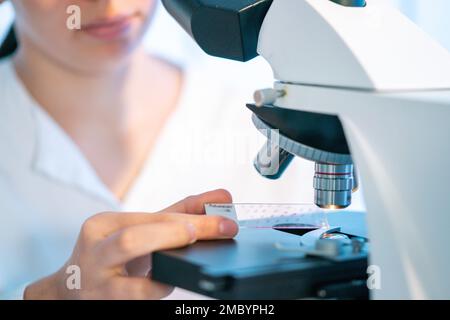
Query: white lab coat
x,y
48,188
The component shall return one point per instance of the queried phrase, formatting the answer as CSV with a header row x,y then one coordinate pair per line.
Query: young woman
x,y
89,123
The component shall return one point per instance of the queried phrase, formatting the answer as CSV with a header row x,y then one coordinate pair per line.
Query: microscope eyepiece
x,y
226,29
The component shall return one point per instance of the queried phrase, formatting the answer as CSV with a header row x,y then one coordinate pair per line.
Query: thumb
x,y
196,204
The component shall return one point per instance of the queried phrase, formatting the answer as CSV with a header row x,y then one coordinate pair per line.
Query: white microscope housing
x,y
389,84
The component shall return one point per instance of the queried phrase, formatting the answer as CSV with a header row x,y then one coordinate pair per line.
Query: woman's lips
x,y
109,29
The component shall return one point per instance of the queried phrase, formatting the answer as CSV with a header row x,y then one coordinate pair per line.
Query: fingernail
x,y
228,228
192,232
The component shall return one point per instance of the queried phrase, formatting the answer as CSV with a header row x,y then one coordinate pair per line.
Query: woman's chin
x,y
116,50
105,55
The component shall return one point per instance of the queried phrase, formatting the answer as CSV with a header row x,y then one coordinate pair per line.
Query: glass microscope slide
x,y
273,216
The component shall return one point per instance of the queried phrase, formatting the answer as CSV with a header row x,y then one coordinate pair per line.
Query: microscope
x,y
363,92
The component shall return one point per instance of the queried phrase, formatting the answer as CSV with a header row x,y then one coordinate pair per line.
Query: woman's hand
x,y
110,244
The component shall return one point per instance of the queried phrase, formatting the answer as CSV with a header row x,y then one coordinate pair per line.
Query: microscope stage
x,y
253,267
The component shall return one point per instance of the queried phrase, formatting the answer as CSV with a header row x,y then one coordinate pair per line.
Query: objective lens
x,y
333,185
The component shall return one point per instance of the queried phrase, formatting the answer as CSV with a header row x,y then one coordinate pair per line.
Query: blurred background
x,y
166,38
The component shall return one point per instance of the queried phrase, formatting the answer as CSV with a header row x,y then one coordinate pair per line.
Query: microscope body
x,y
388,84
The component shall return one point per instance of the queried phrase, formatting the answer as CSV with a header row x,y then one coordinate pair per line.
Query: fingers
x,y
102,225
174,232
206,227
196,204
140,240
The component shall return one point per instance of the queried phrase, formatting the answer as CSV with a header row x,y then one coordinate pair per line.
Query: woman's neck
x,y
114,116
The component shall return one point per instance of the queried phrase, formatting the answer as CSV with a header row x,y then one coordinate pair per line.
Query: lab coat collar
x,y
54,154
59,158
